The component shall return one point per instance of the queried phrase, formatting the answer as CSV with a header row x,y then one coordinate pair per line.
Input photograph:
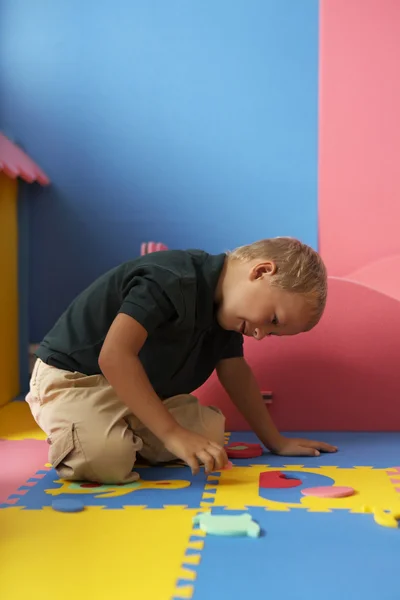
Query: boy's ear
x,y
260,270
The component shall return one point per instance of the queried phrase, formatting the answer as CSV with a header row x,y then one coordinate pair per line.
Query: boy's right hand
x,y
193,449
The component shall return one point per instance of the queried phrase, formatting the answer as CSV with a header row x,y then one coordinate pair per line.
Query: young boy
x,y
114,376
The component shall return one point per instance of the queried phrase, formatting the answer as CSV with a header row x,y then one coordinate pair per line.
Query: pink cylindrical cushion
x,y
329,491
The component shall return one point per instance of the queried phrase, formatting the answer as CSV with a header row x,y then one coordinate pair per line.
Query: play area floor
x,y
139,541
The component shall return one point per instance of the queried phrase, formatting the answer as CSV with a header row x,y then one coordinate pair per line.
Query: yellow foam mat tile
x,y
200,532
192,559
17,423
239,488
187,574
93,554
207,495
196,545
184,592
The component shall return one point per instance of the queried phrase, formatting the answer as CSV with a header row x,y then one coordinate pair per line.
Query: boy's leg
x,y
188,412
86,424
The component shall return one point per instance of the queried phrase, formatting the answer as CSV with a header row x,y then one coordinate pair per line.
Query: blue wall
x,y
188,122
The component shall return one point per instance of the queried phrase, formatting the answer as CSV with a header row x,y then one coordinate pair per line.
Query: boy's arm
x,y
239,382
120,364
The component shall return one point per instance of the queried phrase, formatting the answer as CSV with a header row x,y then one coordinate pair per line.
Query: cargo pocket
x,y
61,445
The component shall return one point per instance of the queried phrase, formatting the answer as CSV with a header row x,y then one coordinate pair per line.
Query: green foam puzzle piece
x,y
233,525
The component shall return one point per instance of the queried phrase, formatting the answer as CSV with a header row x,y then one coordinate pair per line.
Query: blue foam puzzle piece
x,y
67,505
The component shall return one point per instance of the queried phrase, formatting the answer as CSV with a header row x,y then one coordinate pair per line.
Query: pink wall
x,y
359,132
345,374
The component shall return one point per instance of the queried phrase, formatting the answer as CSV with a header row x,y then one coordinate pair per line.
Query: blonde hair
x,y
299,269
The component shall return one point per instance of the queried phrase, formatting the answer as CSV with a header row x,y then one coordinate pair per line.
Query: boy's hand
x,y
194,449
300,447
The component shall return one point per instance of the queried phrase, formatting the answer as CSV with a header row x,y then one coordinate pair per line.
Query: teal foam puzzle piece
x,y
230,525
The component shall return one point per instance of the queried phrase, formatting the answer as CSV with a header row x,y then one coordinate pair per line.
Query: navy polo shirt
x,y
172,294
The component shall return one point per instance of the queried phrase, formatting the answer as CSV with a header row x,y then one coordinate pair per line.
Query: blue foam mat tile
x,y
332,555
383,450
159,487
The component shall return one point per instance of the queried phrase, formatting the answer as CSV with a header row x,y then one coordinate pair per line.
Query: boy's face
x,y
255,308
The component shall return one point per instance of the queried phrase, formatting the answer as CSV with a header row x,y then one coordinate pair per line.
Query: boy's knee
x,y
213,422
111,461
205,420
102,460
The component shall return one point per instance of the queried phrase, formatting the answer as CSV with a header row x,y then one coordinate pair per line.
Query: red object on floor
x,y
243,450
277,479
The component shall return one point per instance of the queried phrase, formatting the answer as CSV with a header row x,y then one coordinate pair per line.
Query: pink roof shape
x,y
15,163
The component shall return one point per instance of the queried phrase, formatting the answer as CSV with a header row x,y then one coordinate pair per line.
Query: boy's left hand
x,y
300,447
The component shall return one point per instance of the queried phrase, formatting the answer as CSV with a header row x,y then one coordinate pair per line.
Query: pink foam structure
x,y
380,275
15,163
149,247
19,462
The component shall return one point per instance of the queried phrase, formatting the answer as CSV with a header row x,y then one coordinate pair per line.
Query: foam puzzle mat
x,y
138,540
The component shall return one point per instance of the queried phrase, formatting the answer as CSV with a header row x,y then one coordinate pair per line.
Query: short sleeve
x,y
148,303
234,346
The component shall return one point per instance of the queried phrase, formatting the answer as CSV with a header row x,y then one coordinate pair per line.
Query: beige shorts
x,y
93,436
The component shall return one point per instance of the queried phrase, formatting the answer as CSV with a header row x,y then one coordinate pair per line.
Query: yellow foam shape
x,y
239,488
113,491
93,546
17,423
383,518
